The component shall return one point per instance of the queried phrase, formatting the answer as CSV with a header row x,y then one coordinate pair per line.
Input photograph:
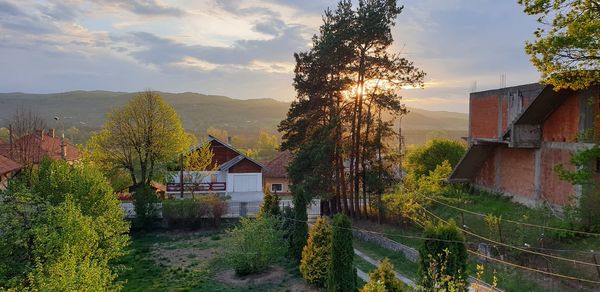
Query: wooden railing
x,y
197,187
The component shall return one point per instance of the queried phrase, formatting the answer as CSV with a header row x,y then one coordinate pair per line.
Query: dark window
x,y
276,187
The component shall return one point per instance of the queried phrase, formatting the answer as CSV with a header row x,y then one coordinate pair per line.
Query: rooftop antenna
x,y
502,80
473,87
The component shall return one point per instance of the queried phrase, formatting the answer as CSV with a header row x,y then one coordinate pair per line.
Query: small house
x,y
276,176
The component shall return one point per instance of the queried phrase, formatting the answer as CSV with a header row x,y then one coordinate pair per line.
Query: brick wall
x,y
563,124
484,117
487,173
553,188
517,171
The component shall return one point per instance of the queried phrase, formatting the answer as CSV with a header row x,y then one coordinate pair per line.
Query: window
x,y
276,187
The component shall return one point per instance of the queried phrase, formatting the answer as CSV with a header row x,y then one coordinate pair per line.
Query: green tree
x,y
4,134
198,163
424,159
384,276
443,256
220,134
316,254
255,244
341,274
140,137
270,204
267,145
566,49
300,225
61,232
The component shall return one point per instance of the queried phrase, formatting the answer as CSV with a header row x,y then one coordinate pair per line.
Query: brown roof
x,y
40,145
278,166
8,166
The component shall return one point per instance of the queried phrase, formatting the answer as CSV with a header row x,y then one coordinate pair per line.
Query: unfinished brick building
x,y
518,134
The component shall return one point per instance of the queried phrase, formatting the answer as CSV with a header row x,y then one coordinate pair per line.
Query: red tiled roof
x,y
40,146
278,166
8,166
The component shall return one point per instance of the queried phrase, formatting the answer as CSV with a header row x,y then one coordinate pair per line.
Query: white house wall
x,y
231,181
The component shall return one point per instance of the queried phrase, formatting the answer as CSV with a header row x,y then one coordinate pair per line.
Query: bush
x,y
383,279
443,259
316,254
145,204
270,205
423,159
185,212
255,244
341,274
192,212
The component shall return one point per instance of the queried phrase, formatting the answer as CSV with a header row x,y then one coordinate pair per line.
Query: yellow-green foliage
x,y
383,277
316,253
270,204
412,195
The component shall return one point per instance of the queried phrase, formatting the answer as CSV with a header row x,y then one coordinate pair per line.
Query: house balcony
x,y
205,187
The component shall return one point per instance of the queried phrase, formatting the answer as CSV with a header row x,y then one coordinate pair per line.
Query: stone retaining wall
x,y
409,252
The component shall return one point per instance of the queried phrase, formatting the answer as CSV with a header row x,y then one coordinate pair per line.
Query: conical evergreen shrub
x,y
342,274
317,253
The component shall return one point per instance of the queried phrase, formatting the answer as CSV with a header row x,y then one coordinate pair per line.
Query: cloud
x,y
145,7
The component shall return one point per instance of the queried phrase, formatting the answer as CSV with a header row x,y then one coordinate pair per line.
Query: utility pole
x,y
400,147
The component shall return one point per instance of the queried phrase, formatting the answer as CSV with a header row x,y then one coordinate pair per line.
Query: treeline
x,y
345,83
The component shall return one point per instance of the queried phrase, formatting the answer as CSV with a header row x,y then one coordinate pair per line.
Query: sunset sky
x,y
244,49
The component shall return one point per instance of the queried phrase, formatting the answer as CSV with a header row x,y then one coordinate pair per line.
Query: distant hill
x,y
87,110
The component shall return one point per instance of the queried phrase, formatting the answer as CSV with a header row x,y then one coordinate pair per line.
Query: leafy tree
x,y
586,209
61,232
424,159
140,137
255,244
198,163
566,49
267,145
66,254
443,256
383,279
4,134
270,205
341,274
316,254
218,133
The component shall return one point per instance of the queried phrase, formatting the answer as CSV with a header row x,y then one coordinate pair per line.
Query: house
x,y
236,175
275,176
8,168
32,148
518,134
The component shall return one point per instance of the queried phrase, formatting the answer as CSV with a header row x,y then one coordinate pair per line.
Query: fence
x,y
236,209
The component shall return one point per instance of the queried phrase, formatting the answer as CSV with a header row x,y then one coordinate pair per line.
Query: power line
x,y
457,241
516,247
516,222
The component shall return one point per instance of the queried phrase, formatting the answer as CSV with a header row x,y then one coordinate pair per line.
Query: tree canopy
x,y
566,49
140,138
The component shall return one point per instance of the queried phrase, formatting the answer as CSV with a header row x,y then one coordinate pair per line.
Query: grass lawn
x,y
194,261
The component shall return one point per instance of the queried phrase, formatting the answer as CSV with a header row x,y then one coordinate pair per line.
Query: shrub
x,y
192,212
287,227
445,258
185,212
384,274
255,244
423,159
270,204
217,207
316,254
300,226
145,204
341,274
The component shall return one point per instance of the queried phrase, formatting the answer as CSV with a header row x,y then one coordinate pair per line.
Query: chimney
x,y
52,133
42,134
229,140
63,149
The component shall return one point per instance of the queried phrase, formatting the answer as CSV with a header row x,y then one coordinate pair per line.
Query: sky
x,y
244,48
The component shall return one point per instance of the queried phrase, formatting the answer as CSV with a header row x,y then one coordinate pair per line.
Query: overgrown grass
x,y
401,264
